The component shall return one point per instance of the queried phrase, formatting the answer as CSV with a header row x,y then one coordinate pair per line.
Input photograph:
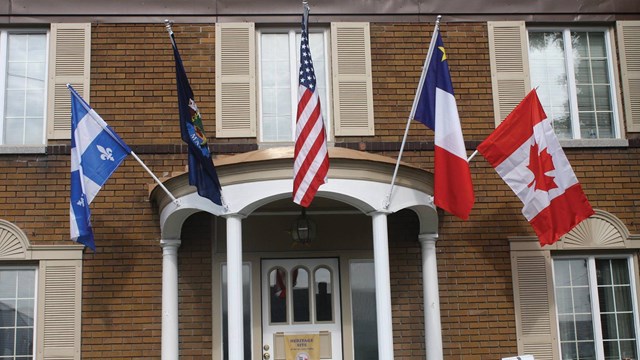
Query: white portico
x,y
253,183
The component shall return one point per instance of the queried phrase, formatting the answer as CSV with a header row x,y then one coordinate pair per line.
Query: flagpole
x,y
167,25
108,131
425,67
472,155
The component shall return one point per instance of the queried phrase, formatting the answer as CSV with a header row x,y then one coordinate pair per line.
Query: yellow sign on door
x,y
302,347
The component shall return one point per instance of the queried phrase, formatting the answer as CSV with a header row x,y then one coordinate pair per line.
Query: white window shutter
x,y
69,62
59,309
629,43
235,80
352,83
510,79
536,324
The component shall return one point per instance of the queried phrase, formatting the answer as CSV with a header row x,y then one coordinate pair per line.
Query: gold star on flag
x,y
444,53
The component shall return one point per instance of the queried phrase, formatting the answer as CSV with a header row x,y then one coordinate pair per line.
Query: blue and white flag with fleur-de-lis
x,y
96,152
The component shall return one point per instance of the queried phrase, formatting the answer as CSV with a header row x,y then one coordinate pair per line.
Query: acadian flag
x,y
526,153
202,173
96,152
453,190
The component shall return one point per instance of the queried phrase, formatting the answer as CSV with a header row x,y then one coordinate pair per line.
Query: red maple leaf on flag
x,y
540,165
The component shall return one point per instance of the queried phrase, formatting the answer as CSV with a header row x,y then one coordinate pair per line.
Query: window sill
x,y
596,143
23,149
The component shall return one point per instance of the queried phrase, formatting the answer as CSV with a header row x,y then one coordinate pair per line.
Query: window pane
x,y
7,313
569,351
628,349
567,328
597,47
620,270
8,341
24,342
578,270
300,285
586,350
561,273
276,87
605,294
564,300
623,299
8,283
609,326
363,299
25,312
278,303
588,125
324,306
584,327
625,326
246,311
611,350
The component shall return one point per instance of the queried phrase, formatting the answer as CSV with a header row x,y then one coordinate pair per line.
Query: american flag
x,y
311,161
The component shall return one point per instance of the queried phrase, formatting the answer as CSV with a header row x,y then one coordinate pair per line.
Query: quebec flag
x,y
96,152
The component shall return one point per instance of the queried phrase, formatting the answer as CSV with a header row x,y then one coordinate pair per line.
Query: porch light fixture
x,y
303,230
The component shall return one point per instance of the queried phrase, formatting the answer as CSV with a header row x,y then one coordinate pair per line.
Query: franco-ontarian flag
x,y
96,152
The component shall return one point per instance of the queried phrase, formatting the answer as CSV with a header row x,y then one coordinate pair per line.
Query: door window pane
x,y
278,298
17,301
323,291
363,307
300,285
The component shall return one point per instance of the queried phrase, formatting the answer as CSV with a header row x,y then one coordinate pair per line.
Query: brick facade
x,y
133,89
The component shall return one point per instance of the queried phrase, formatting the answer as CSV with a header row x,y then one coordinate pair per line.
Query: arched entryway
x,y
349,210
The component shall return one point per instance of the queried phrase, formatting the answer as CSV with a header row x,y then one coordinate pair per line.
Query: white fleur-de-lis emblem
x,y
81,202
107,154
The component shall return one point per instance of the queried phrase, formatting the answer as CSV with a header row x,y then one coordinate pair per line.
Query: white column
x,y
234,287
431,296
383,285
170,348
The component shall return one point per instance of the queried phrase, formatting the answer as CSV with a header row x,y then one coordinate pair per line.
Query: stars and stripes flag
x,y
436,108
311,159
526,153
96,152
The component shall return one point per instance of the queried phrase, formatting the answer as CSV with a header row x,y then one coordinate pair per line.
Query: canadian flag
x,y
526,153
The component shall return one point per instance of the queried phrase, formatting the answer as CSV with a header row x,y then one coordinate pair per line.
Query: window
x,y
279,61
363,308
572,69
246,311
596,308
17,303
23,74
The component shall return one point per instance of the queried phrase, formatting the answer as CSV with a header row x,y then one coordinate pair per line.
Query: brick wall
x,y
133,88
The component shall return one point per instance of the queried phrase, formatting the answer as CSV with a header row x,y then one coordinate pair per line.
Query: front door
x,y
301,303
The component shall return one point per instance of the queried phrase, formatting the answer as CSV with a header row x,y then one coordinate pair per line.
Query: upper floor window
x,y
279,63
23,74
572,69
596,307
